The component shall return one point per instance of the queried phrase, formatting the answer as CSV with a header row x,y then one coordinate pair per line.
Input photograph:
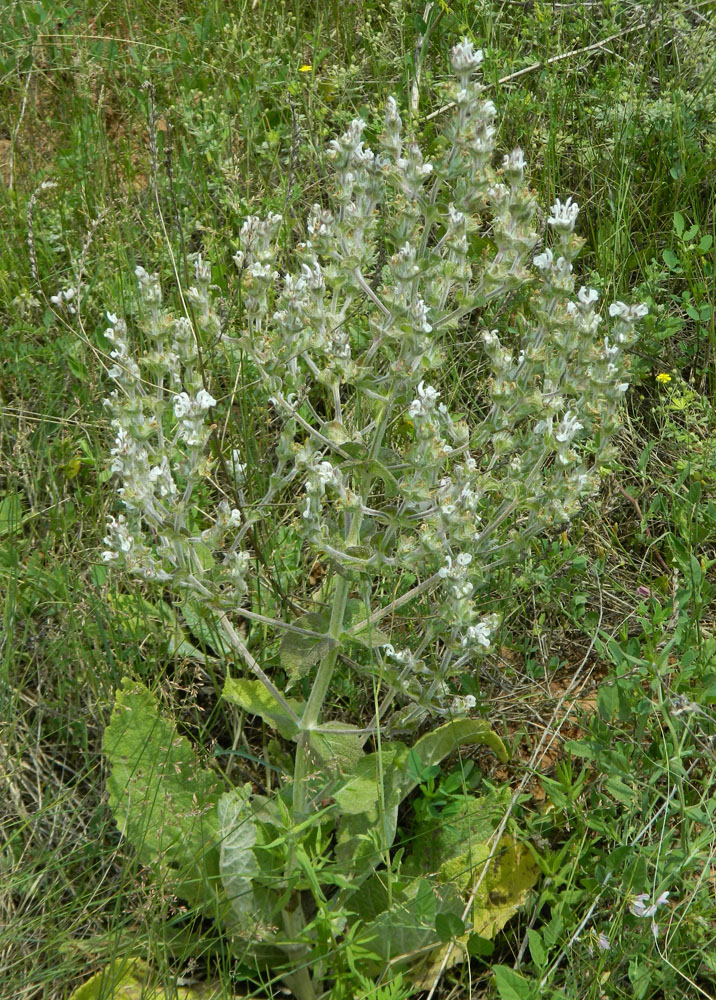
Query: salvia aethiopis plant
x,y
398,497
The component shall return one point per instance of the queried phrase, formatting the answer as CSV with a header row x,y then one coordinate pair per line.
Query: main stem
x,y
314,705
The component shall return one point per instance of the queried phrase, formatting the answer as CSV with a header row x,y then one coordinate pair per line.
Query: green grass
x,y
150,175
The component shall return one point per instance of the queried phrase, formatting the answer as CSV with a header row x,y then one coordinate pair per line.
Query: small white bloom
x,y
514,164
587,296
568,428
564,215
204,400
544,260
465,58
638,904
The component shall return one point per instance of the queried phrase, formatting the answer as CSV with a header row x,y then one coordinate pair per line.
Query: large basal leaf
x,y
407,926
255,699
504,890
237,862
435,746
131,979
369,821
164,802
470,820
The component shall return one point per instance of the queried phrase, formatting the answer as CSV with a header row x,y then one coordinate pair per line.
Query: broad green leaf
x,y
369,820
435,746
204,626
131,979
300,652
370,813
237,862
408,925
253,697
511,985
361,791
448,837
164,802
448,926
369,636
335,432
338,752
440,743
511,874
537,949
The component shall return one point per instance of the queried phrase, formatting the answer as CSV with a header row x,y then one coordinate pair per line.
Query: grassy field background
x,y
160,126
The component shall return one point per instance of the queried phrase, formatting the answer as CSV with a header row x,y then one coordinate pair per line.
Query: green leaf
x,y
10,514
300,652
409,924
338,752
164,802
448,926
131,979
441,742
237,862
361,791
672,261
510,985
203,625
253,698
379,471
370,637
537,949
335,432
679,223
440,840
479,947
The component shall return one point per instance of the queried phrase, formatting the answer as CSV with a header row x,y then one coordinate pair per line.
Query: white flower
x,y
204,400
392,115
465,58
182,405
427,398
462,704
544,260
587,296
514,163
479,634
629,314
568,428
638,904
603,942
419,316
564,215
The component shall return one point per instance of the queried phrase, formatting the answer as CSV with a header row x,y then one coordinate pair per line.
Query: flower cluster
x,y
393,490
161,416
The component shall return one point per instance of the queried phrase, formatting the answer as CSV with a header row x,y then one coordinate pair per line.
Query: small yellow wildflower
x,y
306,68
663,377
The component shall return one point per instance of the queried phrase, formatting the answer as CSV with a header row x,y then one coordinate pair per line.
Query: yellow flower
x,y
663,377
305,69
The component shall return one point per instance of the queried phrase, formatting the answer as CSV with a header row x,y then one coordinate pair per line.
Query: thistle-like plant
x,y
396,495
